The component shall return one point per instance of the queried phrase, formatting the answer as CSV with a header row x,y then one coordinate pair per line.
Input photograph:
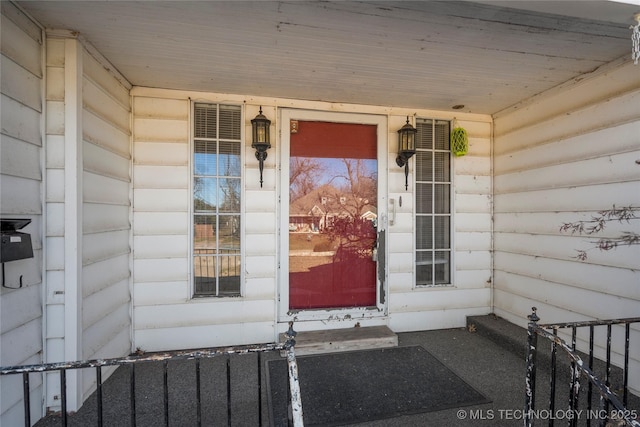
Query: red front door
x,y
332,215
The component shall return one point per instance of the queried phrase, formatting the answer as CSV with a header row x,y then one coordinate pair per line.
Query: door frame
x,y
285,115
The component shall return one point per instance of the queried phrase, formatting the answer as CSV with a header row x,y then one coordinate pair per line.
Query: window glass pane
x,y
442,234
229,233
424,198
442,267
442,198
424,235
230,122
424,137
205,158
442,167
229,195
424,168
205,121
204,272
424,268
205,195
204,232
229,158
442,135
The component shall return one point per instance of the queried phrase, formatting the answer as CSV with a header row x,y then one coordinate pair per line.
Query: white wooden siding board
x,y
55,152
102,77
216,335
54,87
618,110
55,219
252,178
473,222
20,159
472,260
472,165
260,201
55,52
472,203
431,320
550,223
161,199
156,130
473,241
212,312
476,184
263,288
21,343
55,253
11,405
160,223
161,177
160,270
105,162
161,108
400,282
23,21
104,134
103,246
99,334
158,293
400,242
260,244
602,170
103,274
102,105
593,89
161,153
401,262
55,185
171,246
105,303
260,266
17,83
473,279
55,288
20,307
20,196
587,198
577,274
620,139
119,345
479,146
55,329
54,119
404,220
98,218
260,222
435,299
20,121
566,247
23,48
102,189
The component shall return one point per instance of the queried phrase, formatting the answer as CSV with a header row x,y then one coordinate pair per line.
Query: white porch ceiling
x,y
486,55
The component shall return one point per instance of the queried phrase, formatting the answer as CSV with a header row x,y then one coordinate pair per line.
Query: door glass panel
x,y
332,215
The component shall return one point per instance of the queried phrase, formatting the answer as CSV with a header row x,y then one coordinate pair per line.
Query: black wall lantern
x,y
406,149
260,125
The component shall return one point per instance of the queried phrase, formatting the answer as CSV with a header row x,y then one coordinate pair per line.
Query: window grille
x,y
216,200
433,203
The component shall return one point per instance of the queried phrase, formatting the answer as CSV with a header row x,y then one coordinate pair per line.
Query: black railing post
x,y
532,342
27,399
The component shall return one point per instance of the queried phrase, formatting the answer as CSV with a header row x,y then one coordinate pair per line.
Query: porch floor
x,y
478,357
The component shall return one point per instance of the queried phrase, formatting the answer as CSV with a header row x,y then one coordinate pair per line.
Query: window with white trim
x,y
216,200
433,203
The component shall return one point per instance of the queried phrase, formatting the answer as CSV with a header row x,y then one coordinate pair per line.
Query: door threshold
x,y
346,339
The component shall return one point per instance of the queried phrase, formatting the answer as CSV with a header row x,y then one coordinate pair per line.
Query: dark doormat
x,y
361,386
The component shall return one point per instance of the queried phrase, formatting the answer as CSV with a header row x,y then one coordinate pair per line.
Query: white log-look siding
x,y
21,186
561,157
90,214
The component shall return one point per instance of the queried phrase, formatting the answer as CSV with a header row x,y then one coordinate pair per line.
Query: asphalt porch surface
x,y
496,370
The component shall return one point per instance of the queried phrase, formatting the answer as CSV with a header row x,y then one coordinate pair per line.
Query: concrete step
x,y
349,339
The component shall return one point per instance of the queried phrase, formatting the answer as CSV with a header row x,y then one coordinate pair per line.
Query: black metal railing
x,y
611,409
134,360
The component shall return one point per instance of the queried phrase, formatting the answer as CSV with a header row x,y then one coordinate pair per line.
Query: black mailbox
x,y
15,245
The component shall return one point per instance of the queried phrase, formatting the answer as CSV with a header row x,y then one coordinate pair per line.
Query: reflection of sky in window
x,y
207,164
335,170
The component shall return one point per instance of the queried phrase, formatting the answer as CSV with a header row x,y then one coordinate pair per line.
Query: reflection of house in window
x,y
318,209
